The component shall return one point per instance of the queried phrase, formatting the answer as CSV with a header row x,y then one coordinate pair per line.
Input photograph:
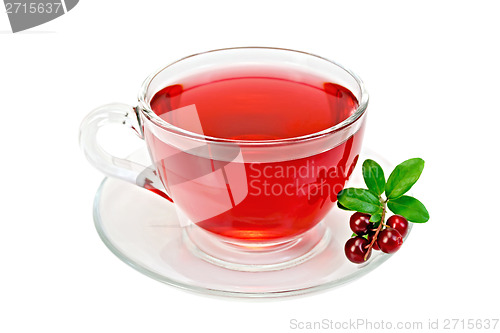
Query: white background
x,y
432,71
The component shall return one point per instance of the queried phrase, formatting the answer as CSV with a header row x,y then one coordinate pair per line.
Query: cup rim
x,y
153,117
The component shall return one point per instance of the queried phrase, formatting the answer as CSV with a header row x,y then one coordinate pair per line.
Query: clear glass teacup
x,y
251,145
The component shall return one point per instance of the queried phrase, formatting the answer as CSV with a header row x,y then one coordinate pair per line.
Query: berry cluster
x,y
387,238
371,230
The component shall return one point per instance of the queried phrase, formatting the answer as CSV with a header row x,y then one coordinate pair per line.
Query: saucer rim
x,y
365,268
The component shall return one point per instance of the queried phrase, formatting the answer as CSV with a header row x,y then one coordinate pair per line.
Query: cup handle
x,y
110,165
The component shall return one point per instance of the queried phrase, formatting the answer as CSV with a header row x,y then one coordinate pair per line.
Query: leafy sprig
x,y
381,195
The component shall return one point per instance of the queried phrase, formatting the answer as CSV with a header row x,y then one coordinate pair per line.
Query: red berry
x,y
360,223
389,240
399,223
371,234
356,249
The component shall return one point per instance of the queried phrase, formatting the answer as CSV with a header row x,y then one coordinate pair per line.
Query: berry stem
x,y
379,228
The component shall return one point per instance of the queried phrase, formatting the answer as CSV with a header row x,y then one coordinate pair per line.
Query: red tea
x,y
244,199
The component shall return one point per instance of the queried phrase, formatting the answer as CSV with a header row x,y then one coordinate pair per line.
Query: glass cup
x,y
245,203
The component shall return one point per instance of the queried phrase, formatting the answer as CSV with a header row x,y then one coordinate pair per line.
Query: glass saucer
x,y
142,229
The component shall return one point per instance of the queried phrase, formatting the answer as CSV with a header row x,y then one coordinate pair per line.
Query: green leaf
x,y
409,207
360,200
376,217
403,177
342,207
374,177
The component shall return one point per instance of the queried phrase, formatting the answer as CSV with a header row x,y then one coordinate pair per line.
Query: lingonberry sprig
x,y
371,230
